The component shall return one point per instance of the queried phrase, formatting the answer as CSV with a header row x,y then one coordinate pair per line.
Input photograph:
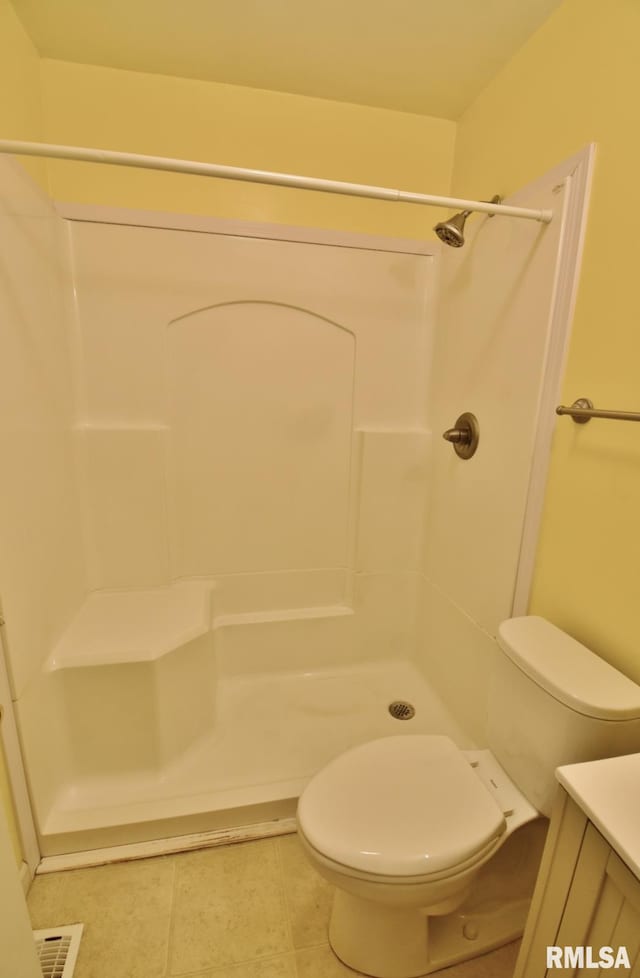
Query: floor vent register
x,y
57,950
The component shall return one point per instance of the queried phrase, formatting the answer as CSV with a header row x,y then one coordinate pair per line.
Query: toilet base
x,y
379,940
386,942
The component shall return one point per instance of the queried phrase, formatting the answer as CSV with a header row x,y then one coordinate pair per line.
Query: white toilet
x,y
403,826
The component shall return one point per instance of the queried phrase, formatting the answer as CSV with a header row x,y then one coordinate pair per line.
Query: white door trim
x,y
576,175
16,772
19,958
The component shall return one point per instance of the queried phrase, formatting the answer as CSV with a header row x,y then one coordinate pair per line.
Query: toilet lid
x,y
400,806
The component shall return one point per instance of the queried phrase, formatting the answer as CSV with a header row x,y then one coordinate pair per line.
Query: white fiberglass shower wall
x,y
506,304
252,459
267,532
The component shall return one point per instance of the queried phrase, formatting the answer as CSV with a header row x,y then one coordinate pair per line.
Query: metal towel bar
x,y
583,410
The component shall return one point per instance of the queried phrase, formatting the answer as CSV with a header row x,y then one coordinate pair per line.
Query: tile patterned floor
x,y
255,910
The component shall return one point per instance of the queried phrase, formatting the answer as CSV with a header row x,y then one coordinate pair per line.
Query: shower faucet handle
x,y
464,436
461,436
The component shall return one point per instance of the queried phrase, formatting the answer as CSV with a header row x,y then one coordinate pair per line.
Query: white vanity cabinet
x,y
588,888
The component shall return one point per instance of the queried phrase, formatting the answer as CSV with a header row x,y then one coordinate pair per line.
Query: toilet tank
x,y
551,702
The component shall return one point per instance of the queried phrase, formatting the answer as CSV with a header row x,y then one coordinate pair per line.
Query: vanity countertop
x,y
608,792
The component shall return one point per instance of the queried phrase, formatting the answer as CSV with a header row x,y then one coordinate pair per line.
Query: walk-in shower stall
x,y
232,533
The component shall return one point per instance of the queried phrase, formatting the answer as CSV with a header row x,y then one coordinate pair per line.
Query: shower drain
x,y
401,710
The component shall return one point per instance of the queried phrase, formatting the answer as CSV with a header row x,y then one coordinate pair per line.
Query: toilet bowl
x,y
401,826
418,836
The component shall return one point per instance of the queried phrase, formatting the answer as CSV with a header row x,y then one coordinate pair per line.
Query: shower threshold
x,y
273,731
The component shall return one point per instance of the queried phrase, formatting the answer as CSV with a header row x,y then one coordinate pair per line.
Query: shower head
x,y
451,232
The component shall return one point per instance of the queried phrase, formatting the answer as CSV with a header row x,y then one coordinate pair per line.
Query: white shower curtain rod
x,y
87,155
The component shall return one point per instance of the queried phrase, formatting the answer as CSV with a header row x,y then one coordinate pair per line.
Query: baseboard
x,y
26,877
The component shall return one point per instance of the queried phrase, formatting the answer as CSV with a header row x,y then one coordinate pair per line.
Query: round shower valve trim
x,y
464,436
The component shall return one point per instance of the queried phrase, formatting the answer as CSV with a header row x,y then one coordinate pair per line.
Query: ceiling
x,y
426,56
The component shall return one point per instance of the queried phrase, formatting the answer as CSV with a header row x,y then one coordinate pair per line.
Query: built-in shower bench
x,y
135,625
136,673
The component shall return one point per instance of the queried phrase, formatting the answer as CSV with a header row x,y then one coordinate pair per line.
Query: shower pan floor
x,y
272,732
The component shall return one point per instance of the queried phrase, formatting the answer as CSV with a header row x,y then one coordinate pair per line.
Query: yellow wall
x,y
20,101
20,118
166,116
578,80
